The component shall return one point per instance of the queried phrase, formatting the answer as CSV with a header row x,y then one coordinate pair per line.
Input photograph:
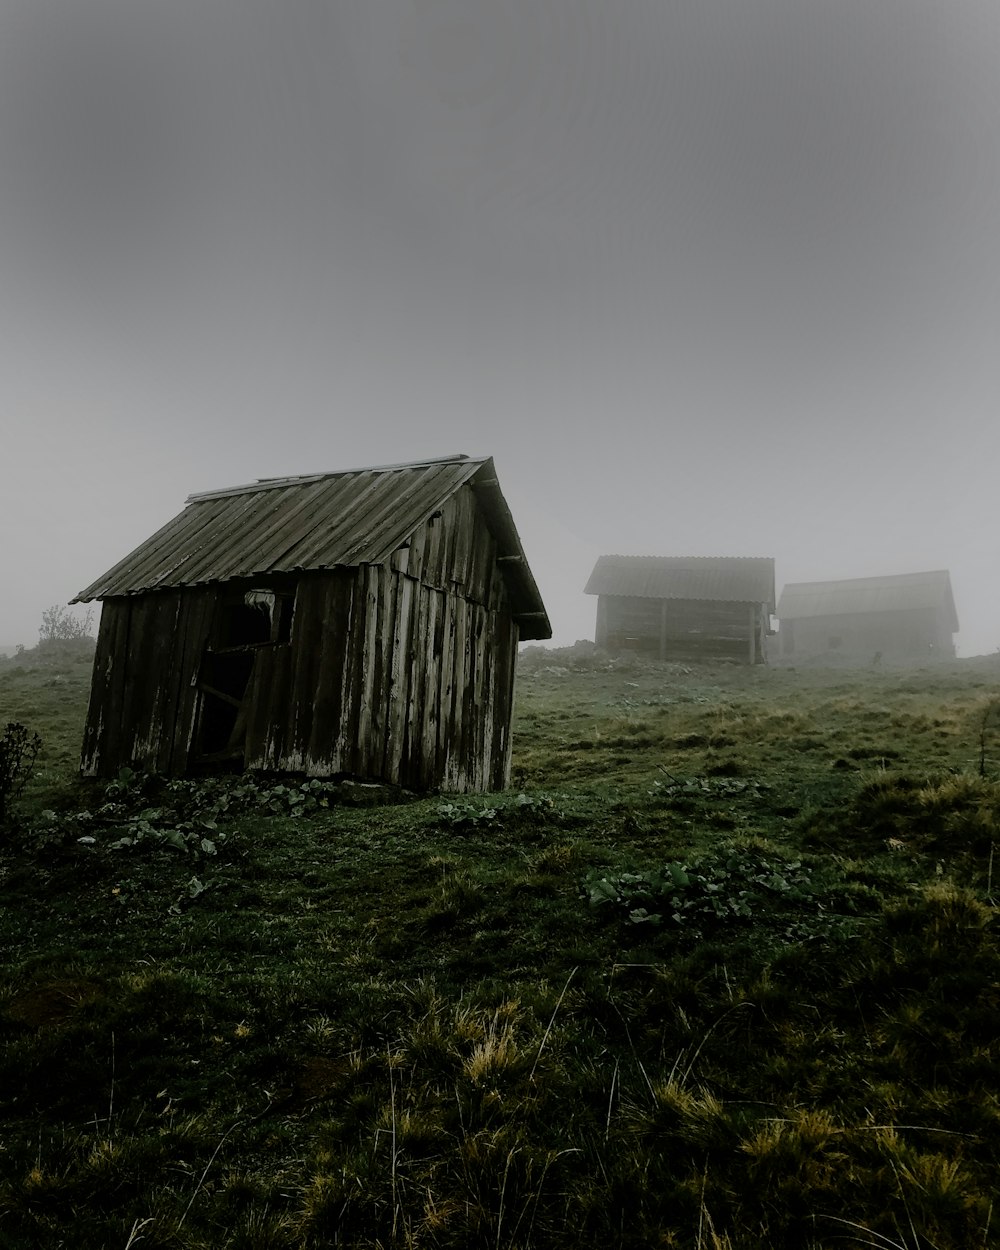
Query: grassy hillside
x,y
720,970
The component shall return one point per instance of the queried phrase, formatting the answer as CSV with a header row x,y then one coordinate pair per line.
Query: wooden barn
x,y
684,608
907,616
360,624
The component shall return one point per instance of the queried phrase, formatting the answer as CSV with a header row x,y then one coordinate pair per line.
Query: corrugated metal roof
x,y
900,592
319,521
734,579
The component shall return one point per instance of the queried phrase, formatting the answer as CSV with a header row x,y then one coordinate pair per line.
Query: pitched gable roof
x,y
900,592
734,579
320,521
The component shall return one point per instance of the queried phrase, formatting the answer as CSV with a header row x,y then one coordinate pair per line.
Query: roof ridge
x,y
298,479
872,577
621,556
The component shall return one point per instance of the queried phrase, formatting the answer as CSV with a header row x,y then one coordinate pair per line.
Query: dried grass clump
x,y
955,814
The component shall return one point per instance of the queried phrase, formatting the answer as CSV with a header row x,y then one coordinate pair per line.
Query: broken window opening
x,y
259,617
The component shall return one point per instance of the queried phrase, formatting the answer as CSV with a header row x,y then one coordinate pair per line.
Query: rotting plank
x,y
173,604
102,733
138,688
122,691
327,745
473,678
267,711
417,553
151,728
382,684
507,639
405,680
173,639
470,655
196,620
493,753
432,557
298,713
367,631
485,699
464,523
418,679
161,706
446,690
430,714
455,769
484,565
400,679
324,659
355,652
450,523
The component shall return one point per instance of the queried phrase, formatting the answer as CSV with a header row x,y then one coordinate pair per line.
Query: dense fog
x,y
712,279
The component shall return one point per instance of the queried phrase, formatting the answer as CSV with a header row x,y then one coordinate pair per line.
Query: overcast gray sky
x,y
717,277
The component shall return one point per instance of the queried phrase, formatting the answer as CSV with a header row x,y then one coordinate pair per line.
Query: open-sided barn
x,y
360,623
684,607
905,616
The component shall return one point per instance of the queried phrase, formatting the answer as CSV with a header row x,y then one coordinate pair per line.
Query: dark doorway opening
x,y
246,624
225,679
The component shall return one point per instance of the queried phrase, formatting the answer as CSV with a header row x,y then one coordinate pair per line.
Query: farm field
x,y
720,970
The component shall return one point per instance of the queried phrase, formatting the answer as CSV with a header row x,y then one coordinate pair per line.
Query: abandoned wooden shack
x,y
907,616
360,624
684,608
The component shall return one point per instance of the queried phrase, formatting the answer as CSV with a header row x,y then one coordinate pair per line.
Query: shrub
x,y
18,750
60,625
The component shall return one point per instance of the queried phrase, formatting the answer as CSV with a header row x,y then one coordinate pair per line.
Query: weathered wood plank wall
x,y
914,634
142,696
409,674
681,628
402,672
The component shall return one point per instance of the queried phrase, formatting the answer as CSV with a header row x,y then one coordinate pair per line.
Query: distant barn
x,y
359,624
906,616
684,608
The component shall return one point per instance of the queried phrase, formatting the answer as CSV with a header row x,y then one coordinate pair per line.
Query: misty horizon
x,y
714,282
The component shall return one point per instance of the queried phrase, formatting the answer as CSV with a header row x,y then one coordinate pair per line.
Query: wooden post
x,y
753,633
663,630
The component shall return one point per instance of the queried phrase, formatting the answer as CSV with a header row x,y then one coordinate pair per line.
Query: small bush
x,y
60,625
18,751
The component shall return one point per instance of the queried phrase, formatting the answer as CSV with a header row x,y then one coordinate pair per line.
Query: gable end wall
x,y
400,672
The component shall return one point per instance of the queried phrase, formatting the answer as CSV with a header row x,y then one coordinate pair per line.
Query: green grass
x,y
248,1014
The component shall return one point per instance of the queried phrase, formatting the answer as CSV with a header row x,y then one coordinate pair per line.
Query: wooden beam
x,y
753,633
663,630
220,694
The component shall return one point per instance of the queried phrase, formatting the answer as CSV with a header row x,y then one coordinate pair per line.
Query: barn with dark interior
x,y
357,624
906,616
684,608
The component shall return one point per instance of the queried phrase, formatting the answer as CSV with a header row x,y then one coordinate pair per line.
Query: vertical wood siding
x,y
142,697
401,672
914,634
682,629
